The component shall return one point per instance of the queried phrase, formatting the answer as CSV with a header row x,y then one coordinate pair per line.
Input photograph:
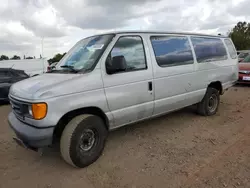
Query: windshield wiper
x,y
70,68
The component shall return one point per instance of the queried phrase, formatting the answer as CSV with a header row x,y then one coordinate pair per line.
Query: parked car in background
x,y
243,55
7,78
31,67
244,70
111,80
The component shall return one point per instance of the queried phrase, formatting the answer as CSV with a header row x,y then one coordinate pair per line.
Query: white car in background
x,y
32,67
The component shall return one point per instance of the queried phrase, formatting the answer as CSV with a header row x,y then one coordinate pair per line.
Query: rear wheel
x,y
210,103
83,140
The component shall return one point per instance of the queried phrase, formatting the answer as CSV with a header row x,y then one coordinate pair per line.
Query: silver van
x,y
110,80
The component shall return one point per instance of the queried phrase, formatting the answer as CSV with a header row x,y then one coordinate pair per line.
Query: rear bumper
x,y
241,81
31,137
4,94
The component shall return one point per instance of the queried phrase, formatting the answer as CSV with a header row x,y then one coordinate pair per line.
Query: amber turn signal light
x,y
39,110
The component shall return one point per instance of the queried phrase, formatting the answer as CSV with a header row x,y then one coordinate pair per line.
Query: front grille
x,y
19,108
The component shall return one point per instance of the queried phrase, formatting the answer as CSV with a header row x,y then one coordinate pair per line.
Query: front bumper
x,y
31,137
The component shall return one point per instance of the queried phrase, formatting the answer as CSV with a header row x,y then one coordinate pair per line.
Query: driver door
x,y
129,92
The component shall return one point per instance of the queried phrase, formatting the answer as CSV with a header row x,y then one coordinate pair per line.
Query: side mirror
x,y
116,64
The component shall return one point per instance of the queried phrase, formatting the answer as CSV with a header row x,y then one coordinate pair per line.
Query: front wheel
x,y
210,103
83,140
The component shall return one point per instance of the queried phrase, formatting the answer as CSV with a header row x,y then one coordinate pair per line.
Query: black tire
x,y
72,148
204,107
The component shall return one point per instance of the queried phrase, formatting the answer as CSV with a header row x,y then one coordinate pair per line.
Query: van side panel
x,y
210,72
224,71
127,93
174,83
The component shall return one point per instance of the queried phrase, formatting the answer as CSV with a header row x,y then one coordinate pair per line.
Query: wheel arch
x,y
65,119
217,85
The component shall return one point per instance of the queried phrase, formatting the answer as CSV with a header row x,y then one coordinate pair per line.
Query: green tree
x,y
15,57
4,57
56,58
240,36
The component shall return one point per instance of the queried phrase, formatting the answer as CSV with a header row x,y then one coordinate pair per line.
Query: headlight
x,y
30,110
38,110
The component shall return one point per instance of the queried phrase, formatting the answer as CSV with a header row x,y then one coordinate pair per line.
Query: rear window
x,y
231,49
172,50
247,59
209,49
243,55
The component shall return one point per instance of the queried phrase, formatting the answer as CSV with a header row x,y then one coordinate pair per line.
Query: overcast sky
x,y
62,23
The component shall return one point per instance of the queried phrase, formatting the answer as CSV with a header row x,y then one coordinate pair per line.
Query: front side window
x,y
209,49
231,49
127,55
172,50
85,54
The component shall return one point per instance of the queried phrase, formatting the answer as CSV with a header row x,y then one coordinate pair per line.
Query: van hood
x,y
41,86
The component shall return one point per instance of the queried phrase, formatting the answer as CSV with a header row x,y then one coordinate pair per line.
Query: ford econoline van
x,y
111,80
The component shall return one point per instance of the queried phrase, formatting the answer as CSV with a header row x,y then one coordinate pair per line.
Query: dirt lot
x,y
181,149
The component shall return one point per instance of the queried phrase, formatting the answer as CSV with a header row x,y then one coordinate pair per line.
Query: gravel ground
x,y
181,149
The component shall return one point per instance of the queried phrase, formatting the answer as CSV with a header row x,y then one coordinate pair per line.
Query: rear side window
x,y
209,49
172,50
246,59
231,48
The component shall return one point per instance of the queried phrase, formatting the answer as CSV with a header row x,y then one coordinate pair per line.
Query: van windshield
x,y
85,54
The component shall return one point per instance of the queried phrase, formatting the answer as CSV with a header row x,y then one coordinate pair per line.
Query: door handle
x,y
150,86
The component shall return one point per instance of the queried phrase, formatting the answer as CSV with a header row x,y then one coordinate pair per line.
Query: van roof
x,y
161,32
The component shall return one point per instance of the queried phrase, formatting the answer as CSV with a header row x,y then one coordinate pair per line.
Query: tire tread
x,y
66,137
201,106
